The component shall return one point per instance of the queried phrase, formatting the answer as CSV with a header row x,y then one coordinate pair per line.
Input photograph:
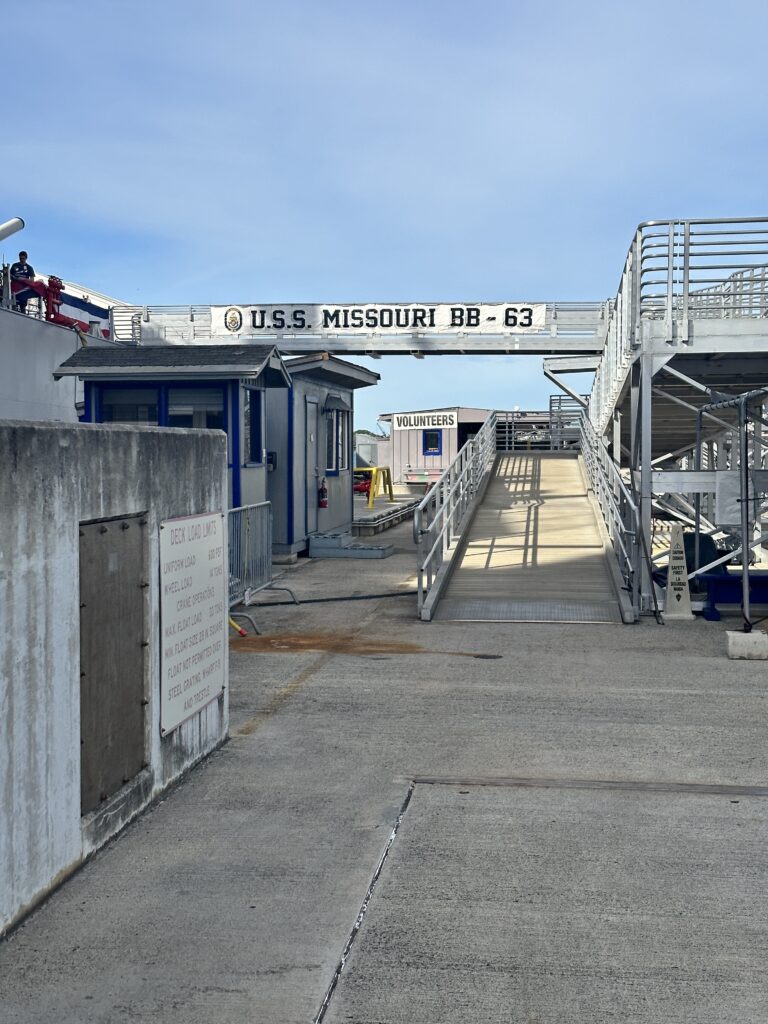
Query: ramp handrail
x,y
439,516
618,507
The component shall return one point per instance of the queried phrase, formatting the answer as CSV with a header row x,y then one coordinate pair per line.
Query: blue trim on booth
x,y
289,468
234,390
257,395
432,453
87,416
162,406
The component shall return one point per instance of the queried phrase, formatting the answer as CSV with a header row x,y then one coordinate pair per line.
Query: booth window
x,y
252,399
196,407
432,442
336,438
129,405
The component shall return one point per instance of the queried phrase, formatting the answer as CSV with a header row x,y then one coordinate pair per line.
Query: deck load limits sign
x,y
380,318
193,616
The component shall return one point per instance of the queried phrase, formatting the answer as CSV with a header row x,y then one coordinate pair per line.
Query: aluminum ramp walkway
x,y
534,551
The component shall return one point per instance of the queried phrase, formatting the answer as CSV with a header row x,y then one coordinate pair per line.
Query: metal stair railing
x,y
618,507
440,516
678,272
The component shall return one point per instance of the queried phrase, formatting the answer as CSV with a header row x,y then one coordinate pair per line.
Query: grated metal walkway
x,y
534,551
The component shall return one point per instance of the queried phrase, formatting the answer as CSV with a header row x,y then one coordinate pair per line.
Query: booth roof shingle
x,y
108,357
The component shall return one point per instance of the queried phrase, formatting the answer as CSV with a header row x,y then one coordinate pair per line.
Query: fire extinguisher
x,y
322,495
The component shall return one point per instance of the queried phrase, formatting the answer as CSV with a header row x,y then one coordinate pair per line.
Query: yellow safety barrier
x,y
381,480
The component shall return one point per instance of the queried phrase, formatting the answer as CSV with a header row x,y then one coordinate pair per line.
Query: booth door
x,y
311,471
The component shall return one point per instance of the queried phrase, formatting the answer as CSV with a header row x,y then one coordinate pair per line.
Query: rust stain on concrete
x,y
334,643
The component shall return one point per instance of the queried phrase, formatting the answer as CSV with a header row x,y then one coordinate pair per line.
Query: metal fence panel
x,y
250,551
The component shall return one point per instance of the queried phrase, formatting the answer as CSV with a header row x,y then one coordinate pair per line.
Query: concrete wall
x,y
55,477
30,350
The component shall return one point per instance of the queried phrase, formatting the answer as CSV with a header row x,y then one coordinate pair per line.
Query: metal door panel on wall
x,y
311,471
112,632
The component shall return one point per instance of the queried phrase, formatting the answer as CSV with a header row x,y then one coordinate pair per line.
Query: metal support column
x,y
616,448
641,393
745,532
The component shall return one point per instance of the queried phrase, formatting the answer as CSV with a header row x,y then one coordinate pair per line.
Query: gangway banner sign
x,y
498,318
193,615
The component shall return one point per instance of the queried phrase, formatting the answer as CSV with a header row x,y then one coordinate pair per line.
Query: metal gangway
x,y
517,534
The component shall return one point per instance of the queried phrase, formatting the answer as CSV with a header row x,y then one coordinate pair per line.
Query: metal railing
x,y
578,324
618,507
557,429
565,415
250,551
439,517
697,268
675,272
153,325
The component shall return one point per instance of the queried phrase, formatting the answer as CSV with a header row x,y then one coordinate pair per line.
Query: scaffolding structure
x,y
686,342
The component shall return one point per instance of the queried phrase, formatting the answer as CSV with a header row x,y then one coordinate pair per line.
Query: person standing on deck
x,y
22,271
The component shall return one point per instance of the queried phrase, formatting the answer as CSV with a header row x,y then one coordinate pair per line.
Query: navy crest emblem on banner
x,y
233,319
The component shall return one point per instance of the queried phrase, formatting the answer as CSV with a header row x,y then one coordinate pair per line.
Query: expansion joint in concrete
x,y
641,786
320,1015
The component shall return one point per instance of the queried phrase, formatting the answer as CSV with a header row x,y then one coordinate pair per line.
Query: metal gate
x,y
250,551
112,653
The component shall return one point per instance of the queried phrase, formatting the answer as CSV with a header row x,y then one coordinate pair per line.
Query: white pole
x,y
10,227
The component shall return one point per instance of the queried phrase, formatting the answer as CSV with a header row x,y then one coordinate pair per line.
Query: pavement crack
x,y
320,1015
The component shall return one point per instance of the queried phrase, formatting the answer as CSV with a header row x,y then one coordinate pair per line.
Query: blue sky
x,y
344,151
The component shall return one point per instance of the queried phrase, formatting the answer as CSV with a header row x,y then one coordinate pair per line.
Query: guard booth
x,y
310,429
424,443
219,387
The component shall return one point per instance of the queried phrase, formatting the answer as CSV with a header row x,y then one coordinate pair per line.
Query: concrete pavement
x,y
549,905
233,898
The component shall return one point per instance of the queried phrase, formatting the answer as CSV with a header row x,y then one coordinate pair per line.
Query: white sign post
x,y
193,615
678,596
